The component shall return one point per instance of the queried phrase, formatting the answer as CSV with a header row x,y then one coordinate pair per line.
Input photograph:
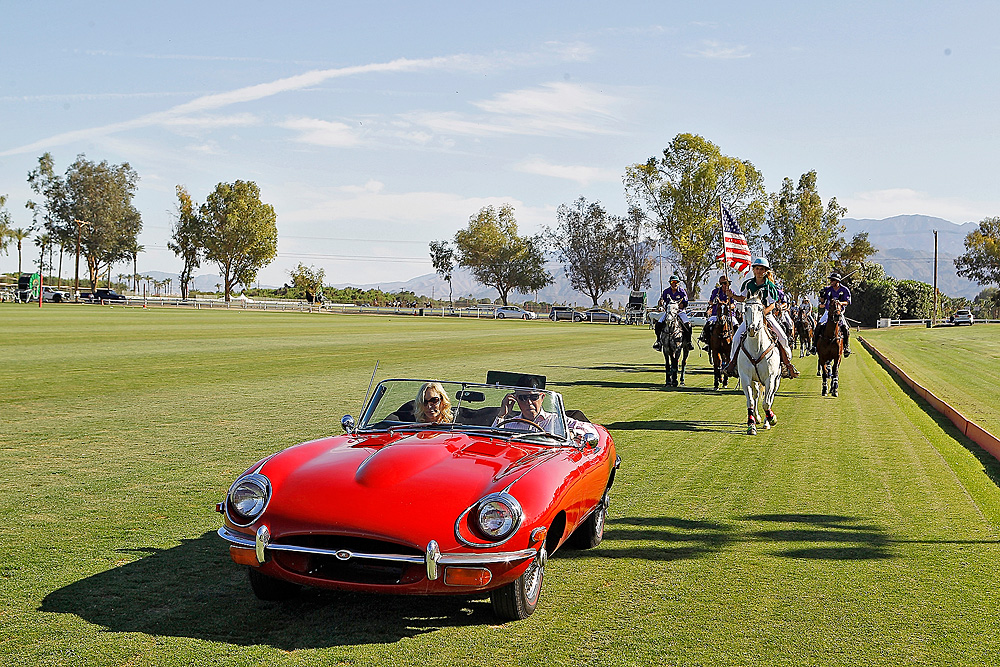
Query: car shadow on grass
x,y
193,590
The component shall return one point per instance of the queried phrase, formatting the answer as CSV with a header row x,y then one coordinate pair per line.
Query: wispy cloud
x,y
551,109
717,51
323,132
212,102
578,173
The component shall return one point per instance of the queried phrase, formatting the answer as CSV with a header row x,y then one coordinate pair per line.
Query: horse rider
x,y
805,310
676,294
763,287
786,311
718,299
826,296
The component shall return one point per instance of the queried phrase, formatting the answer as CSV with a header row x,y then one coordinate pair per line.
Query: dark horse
x,y
803,332
720,344
672,345
830,347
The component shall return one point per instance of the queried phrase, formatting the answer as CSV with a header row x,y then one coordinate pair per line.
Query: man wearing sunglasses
x,y
528,403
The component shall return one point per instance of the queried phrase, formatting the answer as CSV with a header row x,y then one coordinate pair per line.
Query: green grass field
x,y
961,365
861,531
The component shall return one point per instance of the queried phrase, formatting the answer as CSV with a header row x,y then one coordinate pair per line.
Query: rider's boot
x,y
816,334
687,329
787,362
657,328
846,330
730,369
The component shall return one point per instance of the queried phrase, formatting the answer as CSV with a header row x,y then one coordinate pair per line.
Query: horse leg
x,y
826,375
835,373
684,363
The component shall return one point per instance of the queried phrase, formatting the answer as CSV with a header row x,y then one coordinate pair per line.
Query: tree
x,y
240,232
443,260
680,193
590,245
99,194
916,299
186,241
5,230
851,257
638,253
803,236
18,235
981,260
44,242
308,279
497,257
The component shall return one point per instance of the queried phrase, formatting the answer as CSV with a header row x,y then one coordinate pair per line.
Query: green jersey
x,y
767,293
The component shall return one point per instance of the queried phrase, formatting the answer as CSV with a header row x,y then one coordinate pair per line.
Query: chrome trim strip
x,y
246,542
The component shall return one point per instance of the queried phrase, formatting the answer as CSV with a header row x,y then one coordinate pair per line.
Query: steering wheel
x,y
522,420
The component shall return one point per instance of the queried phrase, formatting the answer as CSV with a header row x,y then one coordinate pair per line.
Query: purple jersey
x,y
678,295
828,294
718,298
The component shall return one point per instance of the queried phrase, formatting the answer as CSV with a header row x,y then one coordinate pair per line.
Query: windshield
x,y
464,406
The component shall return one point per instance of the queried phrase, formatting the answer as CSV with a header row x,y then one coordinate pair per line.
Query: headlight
x,y
247,498
496,516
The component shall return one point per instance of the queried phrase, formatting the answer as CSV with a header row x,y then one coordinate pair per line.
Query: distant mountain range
x,y
905,248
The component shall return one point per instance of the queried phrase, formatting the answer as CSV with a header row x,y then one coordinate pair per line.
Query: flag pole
x,y
722,223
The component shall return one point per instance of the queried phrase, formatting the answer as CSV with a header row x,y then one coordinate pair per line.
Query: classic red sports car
x,y
440,488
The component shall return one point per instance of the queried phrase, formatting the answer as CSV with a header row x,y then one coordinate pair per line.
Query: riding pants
x,y
715,318
776,331
681,315
823,318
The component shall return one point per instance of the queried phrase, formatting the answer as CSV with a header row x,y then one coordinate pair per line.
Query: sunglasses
x,y
528,397
433,400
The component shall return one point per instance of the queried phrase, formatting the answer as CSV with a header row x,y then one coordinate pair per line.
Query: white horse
x,y
759,364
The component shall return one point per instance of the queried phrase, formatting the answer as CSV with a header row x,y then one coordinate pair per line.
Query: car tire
x,y
270,589
590,533
57,298
500,316
517,600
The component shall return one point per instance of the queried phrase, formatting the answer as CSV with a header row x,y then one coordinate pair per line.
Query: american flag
x,y
735,250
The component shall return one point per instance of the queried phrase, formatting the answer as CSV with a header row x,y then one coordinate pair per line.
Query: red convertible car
x,y
439,488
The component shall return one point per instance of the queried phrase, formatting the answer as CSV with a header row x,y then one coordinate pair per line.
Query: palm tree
x,y
19,234
121,281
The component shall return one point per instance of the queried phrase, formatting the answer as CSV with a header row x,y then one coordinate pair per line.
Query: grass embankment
x,y
961,365
860,531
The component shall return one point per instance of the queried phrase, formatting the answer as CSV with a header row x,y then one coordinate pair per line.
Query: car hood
x,y
405,487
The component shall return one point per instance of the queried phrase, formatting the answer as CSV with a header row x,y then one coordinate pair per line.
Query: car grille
x,y
354,570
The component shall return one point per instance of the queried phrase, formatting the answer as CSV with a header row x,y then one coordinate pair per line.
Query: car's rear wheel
x,y
590,533
270,589
517,600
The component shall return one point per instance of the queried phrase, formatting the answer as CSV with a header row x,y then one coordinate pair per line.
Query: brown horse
x,y
803,332
830,347
720,343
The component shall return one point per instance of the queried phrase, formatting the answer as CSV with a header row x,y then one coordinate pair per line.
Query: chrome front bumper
x,y
432,559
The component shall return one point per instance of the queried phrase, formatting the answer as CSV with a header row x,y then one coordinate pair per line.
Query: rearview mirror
x,y
470,396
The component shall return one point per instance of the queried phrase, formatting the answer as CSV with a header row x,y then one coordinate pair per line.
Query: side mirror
x,y
590,440
347,423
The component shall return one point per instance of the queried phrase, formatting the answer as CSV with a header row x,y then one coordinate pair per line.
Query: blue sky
x,y
374,128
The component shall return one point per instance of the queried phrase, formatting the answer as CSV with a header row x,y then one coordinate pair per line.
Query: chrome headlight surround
x,y
247,499
493,519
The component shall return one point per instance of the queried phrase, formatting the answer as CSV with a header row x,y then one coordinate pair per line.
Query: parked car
x,y
516,312
698,317
469,507
963,317
54,295
601,315
565,313
102,294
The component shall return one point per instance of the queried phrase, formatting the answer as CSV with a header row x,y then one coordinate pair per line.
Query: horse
x,y
759,366
720,343
830,347
803,332
672,346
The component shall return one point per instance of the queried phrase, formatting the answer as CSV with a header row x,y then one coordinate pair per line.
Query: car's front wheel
x,y
517,600
270,589
590,533
500,316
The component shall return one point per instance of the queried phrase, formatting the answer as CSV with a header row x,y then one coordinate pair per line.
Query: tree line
x,y
674,203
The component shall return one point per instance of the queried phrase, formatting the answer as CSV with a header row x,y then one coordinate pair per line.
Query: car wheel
x,y
500,316
57,298
517,600
270,589
590,533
